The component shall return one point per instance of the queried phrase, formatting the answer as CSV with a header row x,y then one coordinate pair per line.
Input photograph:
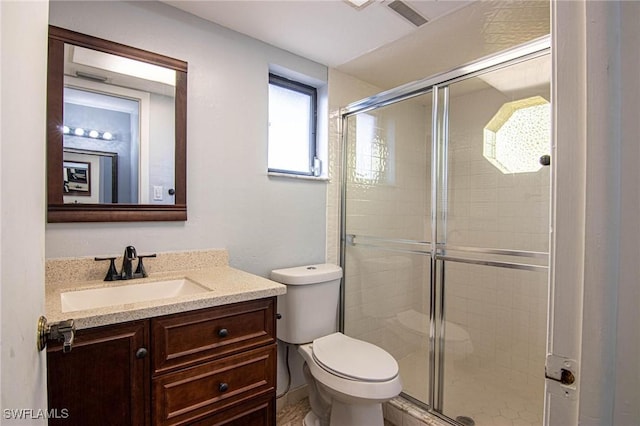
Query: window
x,y
374,148
518,135
292,127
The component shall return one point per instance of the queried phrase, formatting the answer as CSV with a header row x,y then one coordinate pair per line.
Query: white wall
x,y
609,350
594,316
265,223
23,40
626,405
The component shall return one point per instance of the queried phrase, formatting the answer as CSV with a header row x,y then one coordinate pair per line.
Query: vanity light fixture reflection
x,y
92,134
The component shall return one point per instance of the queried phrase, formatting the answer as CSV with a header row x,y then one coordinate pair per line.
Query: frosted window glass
x,y
289,130
365,134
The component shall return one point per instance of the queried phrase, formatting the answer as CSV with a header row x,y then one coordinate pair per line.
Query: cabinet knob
x,y
223,387
141,353
223,332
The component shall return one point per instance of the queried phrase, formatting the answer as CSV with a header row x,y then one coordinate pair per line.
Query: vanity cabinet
x,y
208,361
101,381
212,366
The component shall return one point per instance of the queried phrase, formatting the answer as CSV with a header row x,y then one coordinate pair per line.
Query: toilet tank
x,y
310,308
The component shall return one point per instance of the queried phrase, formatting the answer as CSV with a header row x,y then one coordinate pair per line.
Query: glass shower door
x,y
493,248
386,257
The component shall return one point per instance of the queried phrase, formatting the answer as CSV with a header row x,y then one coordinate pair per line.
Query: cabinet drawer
x,y
190,395
259,412
182,340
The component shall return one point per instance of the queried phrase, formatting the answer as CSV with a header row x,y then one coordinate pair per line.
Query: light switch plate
x,y
157,193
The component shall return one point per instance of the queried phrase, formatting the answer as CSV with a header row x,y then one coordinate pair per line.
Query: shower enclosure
x,y
445,234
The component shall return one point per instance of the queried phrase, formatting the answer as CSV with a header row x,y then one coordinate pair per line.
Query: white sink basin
x,y
119,295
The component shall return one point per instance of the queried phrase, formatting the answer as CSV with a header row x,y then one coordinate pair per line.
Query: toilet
x,y
348,379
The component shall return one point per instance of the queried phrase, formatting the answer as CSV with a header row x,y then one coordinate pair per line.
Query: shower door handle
x,y
545,160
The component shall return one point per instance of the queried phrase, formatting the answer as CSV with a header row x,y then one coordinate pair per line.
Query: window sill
x,y
301,177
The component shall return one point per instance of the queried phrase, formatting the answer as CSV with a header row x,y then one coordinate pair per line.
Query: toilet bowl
x,y
348,379
353,376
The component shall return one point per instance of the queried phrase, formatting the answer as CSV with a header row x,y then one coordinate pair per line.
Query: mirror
x,y
116,132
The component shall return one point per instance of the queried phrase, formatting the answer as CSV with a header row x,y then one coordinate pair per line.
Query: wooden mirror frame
x,y
57,211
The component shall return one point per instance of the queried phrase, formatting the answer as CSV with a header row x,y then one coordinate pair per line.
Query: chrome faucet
x,y
127,272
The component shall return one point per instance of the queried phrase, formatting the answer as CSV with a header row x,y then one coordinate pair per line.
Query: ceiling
x,y
376,44
330,32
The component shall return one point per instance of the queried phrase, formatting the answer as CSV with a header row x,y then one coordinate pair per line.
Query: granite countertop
x,y
221,285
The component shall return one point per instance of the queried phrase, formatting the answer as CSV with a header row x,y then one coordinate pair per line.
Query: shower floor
x,y
474,393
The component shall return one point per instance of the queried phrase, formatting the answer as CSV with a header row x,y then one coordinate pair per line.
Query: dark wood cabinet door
x,y
104,380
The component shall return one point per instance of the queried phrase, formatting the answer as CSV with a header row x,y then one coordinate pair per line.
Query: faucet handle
x,y
140,268
112,273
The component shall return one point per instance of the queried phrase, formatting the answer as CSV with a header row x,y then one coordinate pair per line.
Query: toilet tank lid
x,y
310,274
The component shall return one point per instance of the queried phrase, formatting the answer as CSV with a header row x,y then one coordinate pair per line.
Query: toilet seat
x,y
354,359
357,391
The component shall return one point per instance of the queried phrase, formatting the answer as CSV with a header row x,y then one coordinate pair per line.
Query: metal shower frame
x,y
436,84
